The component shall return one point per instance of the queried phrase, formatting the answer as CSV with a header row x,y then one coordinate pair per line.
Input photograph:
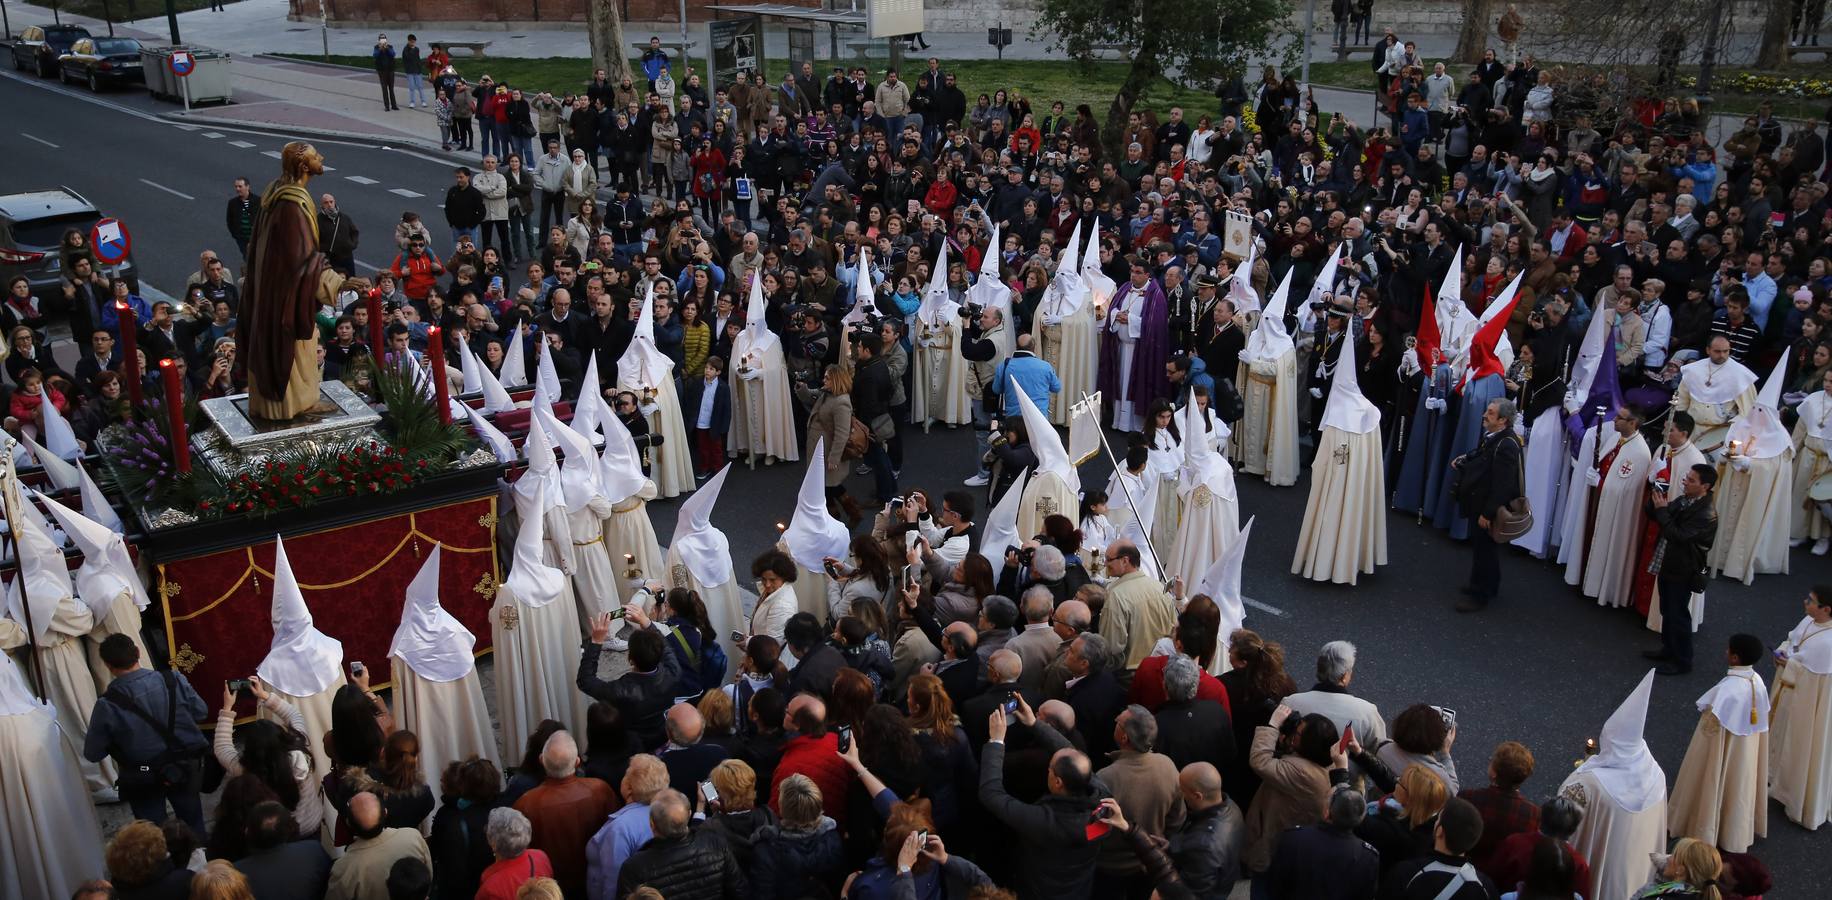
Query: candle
x,y
435,359
377,336
130,342
174,407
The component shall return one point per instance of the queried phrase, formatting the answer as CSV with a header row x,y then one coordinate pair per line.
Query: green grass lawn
x,y
1357,74
1040,81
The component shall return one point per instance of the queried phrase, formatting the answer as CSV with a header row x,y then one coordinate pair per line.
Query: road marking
x,y
403,192
273,153
1266,608
330,168
213,134
189,127
33,137
242,144
150,183
360,179
370,267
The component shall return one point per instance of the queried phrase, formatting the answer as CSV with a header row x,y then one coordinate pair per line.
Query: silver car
x,y
32,225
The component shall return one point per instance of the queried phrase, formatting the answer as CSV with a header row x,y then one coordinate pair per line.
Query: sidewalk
x,y
335,101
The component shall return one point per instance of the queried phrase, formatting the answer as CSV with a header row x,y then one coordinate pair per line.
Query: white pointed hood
x,y
495,397
1100,287
864,295
1759,433
1269,341
620,474
58,435
990,290
589,409
498,442
41,564
470,366
532,581
579,471
1450,293
1240,286
1201,464
95,504
936,306
16,697
302,660
702,548
514,371
643,363
1347,408
545,374
813,533
756,310
1623,764
1052,457
1066,294
431,641
1326,279
1001,528
107,569
62,474
1222,584
1589,358
543,467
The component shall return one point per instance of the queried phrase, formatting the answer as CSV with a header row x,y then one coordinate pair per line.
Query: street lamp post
x,y
1310,26
171,19
1708,62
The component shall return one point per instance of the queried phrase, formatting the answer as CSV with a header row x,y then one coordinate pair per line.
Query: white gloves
x,y
1740,463
1317,393
751,374
1593,477
1052,321
600,507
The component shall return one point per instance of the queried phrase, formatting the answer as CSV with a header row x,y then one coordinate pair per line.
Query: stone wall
x,y
484,12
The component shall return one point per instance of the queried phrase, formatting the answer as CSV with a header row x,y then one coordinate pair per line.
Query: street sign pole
x,y
171,19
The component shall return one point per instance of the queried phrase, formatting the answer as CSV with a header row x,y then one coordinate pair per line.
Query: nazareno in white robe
x,y
1344,535
1800,717
1624,794
449,717
1812,446
536,635
1600,555
50,837
629,532
1753,510
1071,347
1548,470
938,374
68,683
763,418
1266,438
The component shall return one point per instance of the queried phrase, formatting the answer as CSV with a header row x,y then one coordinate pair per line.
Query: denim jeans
x,y
521,235
982,435
149,803
882,473
463,232
416,89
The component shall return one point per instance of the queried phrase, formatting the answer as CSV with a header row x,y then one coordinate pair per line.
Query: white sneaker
x,y
1821,546
978,480
105,796
1797,543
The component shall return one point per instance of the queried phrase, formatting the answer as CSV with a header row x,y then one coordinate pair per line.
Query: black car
x,y
39,46
104,60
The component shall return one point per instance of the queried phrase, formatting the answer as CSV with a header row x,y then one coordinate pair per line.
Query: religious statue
x,y
288,279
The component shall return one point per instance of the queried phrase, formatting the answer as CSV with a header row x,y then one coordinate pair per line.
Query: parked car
x,y
39,46
32,225
105,60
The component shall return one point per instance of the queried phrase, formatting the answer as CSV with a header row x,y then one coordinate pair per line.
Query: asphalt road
x,y
1544,665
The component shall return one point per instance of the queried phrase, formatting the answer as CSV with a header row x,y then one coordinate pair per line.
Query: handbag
x,y
1515,517
858,440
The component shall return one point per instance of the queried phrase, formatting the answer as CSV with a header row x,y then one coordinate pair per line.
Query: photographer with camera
x,y
985,343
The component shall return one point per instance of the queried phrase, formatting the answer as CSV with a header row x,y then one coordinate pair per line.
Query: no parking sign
x,y
110,240
183,63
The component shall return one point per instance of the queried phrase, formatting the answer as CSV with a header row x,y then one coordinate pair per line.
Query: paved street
x,y
1544,666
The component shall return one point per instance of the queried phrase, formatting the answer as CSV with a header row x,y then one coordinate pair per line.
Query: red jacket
x,y
819,759
417,275
1148,686
504,876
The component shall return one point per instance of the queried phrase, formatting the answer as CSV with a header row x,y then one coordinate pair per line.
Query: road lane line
x,y
242,144
213,135
360,179
371,267
150,183
1266,607
33,137
403,192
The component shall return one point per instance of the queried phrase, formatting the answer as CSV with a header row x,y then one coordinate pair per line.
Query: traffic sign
x,y
110,240
183,63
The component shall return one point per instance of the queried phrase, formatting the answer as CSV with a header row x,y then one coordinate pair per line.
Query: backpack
x,y
709,664
1227,402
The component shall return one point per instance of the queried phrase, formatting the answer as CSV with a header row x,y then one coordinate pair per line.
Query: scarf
x,y
576,176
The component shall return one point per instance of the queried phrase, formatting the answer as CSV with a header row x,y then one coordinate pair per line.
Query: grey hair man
x,y
1492,470
680,861
508,833
1144,783
1331,698
628,828
1036,643
1327,858
1192,730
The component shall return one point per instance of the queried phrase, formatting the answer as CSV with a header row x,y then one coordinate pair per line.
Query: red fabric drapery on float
x,y
354,578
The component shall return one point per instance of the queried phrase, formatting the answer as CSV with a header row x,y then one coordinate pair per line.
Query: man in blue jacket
x,y
1036,378
147,721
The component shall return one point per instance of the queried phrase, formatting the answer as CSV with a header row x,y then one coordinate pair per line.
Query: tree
x,y
1472,38
1772,54
1198,40
604,25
